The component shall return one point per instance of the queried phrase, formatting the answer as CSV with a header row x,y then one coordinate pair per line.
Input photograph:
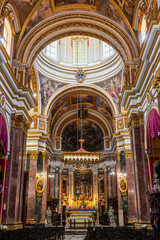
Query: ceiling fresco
x,y
92,135
64,2
112,86
24,8
47,88
89,102
31,12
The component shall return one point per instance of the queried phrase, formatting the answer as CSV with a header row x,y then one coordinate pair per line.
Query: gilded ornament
x,y
135,120
33,154
6,13
123,186
156,81
152,11
80,75
40,186
127,153
19,121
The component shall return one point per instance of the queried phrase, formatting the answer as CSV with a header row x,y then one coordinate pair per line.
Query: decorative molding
x,y
33,154
152,11
45,156
127,153
135,120
6,13
19,121
156,81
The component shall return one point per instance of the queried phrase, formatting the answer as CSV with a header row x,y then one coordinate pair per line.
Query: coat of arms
x,y
80,75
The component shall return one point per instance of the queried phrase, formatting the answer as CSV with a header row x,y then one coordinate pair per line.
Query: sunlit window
x,y
4,38
7,36
51,50
80,52
143,28
107,50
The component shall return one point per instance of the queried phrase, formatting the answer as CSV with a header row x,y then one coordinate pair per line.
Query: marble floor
x,y
78,234
74,237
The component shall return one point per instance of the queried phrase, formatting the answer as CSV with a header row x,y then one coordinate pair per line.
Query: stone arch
x,y
79,23
71,88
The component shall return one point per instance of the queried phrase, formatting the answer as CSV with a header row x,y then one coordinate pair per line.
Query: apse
x,y
91,133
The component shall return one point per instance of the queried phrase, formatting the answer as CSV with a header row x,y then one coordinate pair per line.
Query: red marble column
x,y
44,197
118,170
140,173
131,188
12,216
3,168
32,187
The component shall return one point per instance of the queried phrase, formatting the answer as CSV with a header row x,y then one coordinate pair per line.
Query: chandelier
x,y
80,158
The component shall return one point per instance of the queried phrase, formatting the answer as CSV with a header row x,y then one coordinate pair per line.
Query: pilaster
x,y
33,155
12,216
139,164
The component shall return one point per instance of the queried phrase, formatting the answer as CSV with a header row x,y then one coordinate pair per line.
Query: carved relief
x,y
33,154
19,121
6,13
152,11
156,81
135,120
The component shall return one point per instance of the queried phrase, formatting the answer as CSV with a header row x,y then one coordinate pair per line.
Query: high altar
x,y
80,187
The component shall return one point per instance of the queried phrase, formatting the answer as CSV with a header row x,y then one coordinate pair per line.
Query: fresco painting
x,y
64,2
61,102
112,86
43,11
127,6
48,87
83,98
28,5
91,133
108,10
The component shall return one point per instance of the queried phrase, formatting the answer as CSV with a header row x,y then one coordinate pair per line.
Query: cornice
x,y
135,120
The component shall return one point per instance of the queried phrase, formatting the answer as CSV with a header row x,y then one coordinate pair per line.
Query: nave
x,y
92,233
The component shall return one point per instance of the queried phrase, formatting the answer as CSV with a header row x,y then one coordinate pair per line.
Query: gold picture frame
x,y
123,186
40,186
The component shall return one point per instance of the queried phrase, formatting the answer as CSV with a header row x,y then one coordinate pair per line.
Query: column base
x,y
30,221
143,225
12,226
42,222
131,220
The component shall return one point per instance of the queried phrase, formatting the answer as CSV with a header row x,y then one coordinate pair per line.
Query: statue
x,y
49,215
111,217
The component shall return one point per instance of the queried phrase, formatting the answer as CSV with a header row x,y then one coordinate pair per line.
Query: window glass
x,y
51,50
80,52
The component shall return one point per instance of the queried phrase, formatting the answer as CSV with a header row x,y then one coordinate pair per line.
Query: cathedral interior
x,y
80,119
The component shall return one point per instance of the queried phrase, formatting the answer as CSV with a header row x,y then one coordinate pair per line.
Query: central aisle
x,y
72,234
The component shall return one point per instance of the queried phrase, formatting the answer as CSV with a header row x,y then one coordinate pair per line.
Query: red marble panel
x,y
32,189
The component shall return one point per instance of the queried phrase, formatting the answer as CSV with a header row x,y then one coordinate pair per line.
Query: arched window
x,y
80,56
107,50
143,28
51,50
7,36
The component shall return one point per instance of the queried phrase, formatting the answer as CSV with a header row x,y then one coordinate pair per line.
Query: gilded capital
x,y
33,154
19,121
156,81
117,155
45,156
135,120
127,153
